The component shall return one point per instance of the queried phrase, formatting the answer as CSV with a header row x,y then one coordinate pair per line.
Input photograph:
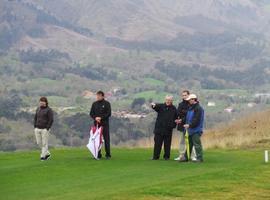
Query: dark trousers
x,y
195,140
159,140
106,137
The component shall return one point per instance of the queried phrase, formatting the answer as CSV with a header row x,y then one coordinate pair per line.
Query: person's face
x,y
168,101
42,104
184,95
99,97
192,101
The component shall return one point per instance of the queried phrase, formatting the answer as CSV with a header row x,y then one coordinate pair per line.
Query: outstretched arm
x,y
156,107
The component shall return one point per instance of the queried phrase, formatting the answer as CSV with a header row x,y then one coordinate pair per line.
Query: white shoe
x,y
177,159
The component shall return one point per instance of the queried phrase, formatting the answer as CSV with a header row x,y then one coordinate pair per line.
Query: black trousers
x,y
106,137
159,140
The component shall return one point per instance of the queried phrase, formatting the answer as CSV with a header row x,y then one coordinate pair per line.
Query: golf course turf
x,y
71,174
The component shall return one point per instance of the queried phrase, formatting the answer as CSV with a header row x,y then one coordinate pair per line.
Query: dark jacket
x,y
165,121
43,118
101,109
182,112
195,119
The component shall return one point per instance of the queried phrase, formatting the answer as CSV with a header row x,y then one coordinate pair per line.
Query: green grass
x,y
121,104
220,106
37,82
237,92
154,82
58,101
72,174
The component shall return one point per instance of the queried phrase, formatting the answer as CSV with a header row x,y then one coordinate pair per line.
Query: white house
x,y
229,110
211,104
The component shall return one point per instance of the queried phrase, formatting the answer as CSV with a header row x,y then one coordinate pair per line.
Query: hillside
x,y
24,26
215,31
159,19
137,52
250,131
72,174
239,25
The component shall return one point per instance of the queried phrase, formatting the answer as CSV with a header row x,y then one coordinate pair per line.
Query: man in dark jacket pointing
x,y
101,112
165,123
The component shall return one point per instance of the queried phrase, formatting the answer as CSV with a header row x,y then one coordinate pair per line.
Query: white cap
x,y
191,96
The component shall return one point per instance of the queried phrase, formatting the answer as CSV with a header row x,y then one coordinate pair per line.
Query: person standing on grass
x,y
165,123
194,126
100,112
182,110
43,121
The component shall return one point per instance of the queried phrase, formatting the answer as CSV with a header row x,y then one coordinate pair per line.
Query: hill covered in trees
x,y
137,52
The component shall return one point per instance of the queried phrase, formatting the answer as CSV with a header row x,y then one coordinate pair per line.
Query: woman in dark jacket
x,y
43,121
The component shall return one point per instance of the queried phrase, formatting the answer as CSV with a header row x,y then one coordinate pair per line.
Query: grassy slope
x,y
250,131
71,174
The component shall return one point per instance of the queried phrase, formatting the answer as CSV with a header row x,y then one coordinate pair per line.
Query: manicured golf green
x,y
72,174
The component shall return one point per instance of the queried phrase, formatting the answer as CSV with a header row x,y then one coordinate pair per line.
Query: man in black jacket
x,y
165,123
43,121
100,113
182,110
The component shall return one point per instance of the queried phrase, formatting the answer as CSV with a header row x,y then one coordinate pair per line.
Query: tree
x,y
138,102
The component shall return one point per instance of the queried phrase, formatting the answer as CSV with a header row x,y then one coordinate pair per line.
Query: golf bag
x,y
95,141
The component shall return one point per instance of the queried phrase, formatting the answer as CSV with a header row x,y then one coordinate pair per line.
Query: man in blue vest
x,y
194,126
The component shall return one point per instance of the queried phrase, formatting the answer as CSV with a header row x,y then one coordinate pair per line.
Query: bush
x,y
138,102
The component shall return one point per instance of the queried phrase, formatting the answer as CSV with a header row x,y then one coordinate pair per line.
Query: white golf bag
x,y
95,141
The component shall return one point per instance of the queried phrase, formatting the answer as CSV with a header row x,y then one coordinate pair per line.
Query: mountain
x,y
90,28
137,52
217,28
157,18
24,25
